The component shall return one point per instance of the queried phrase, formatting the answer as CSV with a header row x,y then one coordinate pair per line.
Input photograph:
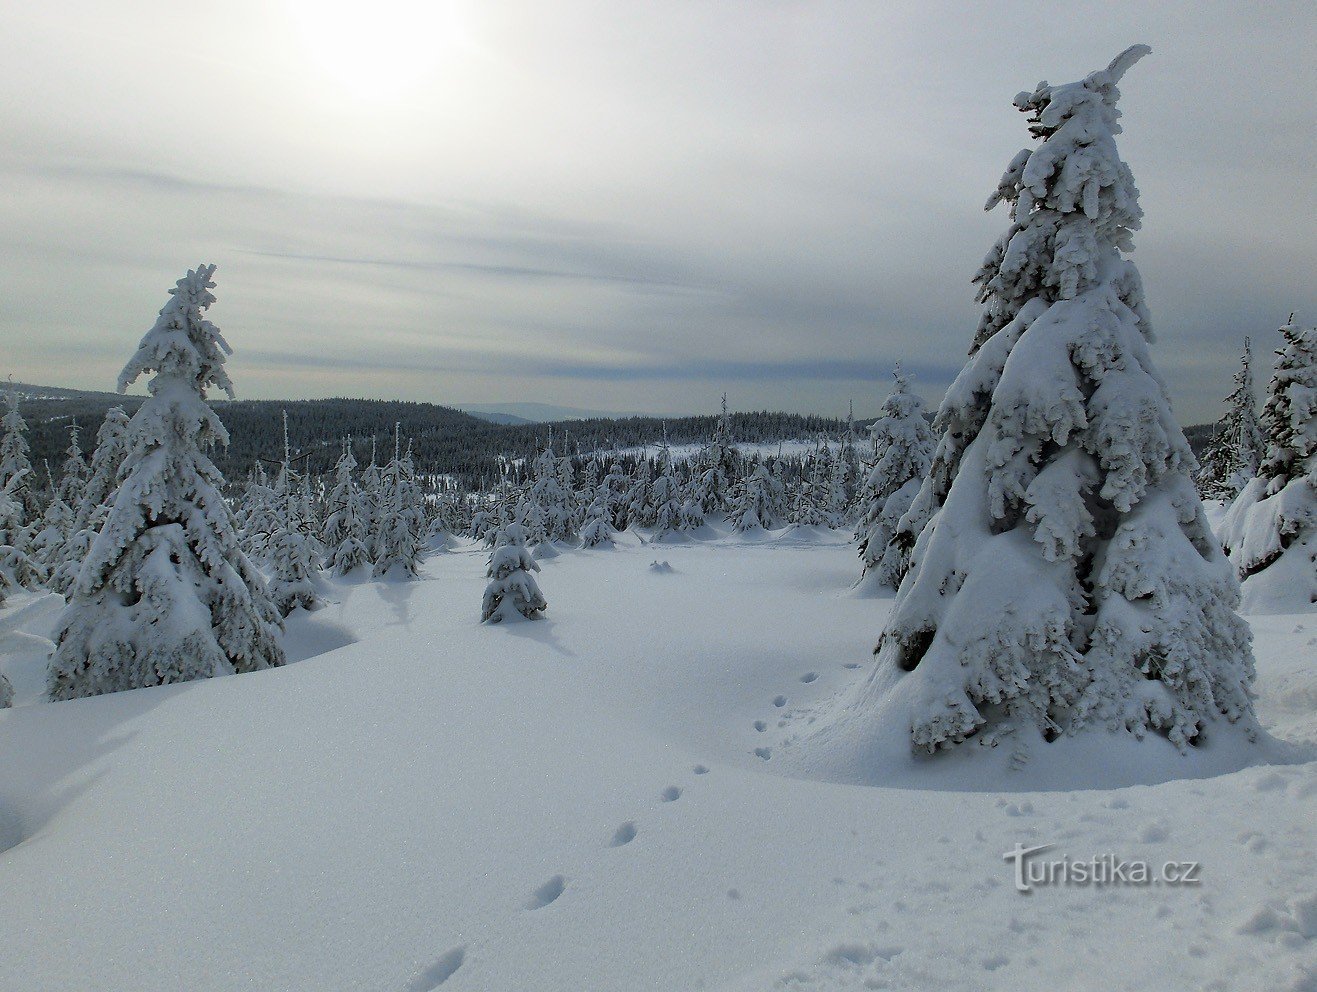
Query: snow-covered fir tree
x,y
93,506
598,528
1270,530
103,472
166,594
344,527
17,568
639,504
718,466
752,499
552,502
51,533
842,486
616,488
1066,578
904,443
14,461
401,520
665,496
1235,452
293,552
809,502
512,592
73,473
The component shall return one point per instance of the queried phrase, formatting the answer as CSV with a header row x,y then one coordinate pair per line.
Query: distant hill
x,y
540,413
444,440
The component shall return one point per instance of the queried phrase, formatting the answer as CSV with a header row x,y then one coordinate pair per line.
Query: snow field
x,y
587,802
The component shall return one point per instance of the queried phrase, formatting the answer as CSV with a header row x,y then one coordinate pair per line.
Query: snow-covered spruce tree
x,y
73,473
904,443
845,469
52,530
292,552
665,496
1236,449
103,472
397,538
166,594
616,487
14,461
512,592
1270,531
1067,578
93,505
718,467
598,527
807,508
294,558
17,569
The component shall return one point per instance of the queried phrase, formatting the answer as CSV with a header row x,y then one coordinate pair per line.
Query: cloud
x,y
625,206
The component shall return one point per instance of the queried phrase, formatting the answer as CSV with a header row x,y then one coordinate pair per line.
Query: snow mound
x,y
862,737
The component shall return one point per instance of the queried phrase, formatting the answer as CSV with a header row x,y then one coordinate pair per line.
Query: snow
x,y
581,804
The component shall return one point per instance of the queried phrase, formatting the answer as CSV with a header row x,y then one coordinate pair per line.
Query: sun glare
x,y
376,49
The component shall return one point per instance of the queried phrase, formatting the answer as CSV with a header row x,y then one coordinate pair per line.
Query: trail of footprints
x,y
446,966
780,702
433,976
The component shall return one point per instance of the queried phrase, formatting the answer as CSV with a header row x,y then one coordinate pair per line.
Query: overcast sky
x,y
627,206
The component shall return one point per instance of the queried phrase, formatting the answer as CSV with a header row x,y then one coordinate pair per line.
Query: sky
x,y
619,205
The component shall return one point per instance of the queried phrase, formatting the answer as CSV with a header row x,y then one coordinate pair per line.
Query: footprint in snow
x,y
852,665
700,770
809,677
625,834
671,794
763,753
439,972
779,701
547,893
761,726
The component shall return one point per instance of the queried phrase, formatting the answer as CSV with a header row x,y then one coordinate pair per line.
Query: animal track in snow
x,y
763,752
700,770
625,834
852,665
779,701
809,677
671,794
760,726
439,972
547,892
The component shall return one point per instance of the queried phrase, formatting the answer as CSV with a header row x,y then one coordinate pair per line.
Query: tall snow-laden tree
x,y
14,461
718,466
904,445
166,595
346,533
73,473
1066,578
103,472
1270,530
17,569
665,496
598,528
92,504
512,592
1235,453
397,541
293,552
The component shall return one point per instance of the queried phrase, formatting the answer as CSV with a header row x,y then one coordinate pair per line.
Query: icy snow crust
x,y
587,802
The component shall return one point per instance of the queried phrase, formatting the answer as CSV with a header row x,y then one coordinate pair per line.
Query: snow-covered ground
x,y
606,800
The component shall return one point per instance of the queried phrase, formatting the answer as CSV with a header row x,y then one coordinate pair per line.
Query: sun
x,y
376,49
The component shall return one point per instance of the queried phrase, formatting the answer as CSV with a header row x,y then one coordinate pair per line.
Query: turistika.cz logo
x,y
1099,870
